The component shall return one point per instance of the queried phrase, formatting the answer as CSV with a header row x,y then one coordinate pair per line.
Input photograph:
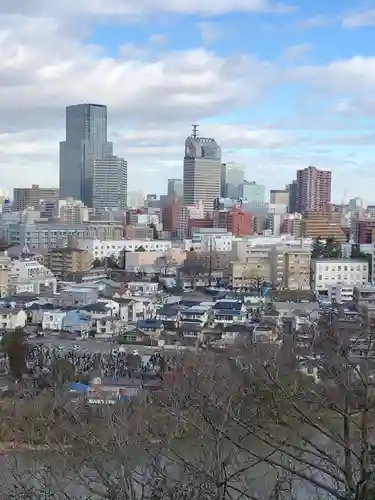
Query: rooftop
x,y
67,250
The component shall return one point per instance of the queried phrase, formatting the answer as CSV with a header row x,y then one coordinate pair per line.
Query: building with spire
x,y
202,170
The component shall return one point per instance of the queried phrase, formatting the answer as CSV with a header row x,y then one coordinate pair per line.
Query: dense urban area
x,y
213,343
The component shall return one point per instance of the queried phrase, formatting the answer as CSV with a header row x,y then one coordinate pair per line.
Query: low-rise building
x,y
326,272
250,274
12,318
101,249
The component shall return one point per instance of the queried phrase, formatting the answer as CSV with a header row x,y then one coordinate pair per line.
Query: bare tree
x,y
242,424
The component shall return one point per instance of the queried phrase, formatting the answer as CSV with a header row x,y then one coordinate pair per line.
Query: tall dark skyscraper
x,y
202,170
86,141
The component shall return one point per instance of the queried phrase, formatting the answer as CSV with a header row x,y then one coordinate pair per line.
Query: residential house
x,y
196,314
151,327
107,327
143,287
53,320
12,318
228,311
127,310
77,322
35,312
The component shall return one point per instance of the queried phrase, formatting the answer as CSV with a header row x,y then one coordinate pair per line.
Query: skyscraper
x,y
86,141
313,190
110,183
175,188
202,170
232,179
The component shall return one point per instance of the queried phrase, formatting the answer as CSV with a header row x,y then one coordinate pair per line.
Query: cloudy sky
x,y
279,85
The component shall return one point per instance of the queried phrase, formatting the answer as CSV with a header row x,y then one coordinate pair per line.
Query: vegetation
x,y
326,249
14,345
232,425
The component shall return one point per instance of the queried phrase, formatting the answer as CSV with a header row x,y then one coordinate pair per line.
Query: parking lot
x,y
92,345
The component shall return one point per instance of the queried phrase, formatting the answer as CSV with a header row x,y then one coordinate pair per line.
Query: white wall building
x,y
31,276
100,249
328,272
212,239
10,319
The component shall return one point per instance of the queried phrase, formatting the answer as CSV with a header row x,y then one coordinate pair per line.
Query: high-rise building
x,y
175,188
86,141
232,179
279,197
313,190
110,183
292,190
254,192
31,197
202,170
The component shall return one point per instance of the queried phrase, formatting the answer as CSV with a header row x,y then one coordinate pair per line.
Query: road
x,y
92,345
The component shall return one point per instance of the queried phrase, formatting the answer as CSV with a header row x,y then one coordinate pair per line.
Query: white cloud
x,y
294,53
209,32
109,8
359,19
44,67
158,39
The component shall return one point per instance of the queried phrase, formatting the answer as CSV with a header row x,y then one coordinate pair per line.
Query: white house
x,y
53,320
348,272
10,319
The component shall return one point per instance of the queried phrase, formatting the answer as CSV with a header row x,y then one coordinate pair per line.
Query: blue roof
x,y
226,312
228,304
149,323
78,387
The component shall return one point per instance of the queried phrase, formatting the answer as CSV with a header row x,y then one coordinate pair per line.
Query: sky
x,y
279,84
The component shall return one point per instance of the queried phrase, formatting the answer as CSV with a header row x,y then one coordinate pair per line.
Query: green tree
x,y
317,248
332,248
15,347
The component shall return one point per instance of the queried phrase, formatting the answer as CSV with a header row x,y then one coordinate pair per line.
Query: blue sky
x,y
279,85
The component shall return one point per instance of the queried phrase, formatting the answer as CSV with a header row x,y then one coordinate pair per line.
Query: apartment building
x,y
5,263
290,267
65,260
322,225
249,274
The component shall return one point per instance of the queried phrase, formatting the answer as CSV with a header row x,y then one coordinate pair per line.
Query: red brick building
x,y
236,221
170,214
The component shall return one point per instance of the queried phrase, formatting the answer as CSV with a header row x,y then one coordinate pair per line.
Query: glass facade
x,y
86,141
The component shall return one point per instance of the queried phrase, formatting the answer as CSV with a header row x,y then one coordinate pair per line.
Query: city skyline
x,y
298,92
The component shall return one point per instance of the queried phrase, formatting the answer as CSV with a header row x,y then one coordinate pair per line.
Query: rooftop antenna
x,y
195,131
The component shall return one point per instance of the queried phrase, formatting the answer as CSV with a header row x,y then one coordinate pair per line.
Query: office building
x,y
175,188
232,179
253,192
24,198
72,211
279,197
136,199
292,201
202,170
86,141
313,190
110,184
